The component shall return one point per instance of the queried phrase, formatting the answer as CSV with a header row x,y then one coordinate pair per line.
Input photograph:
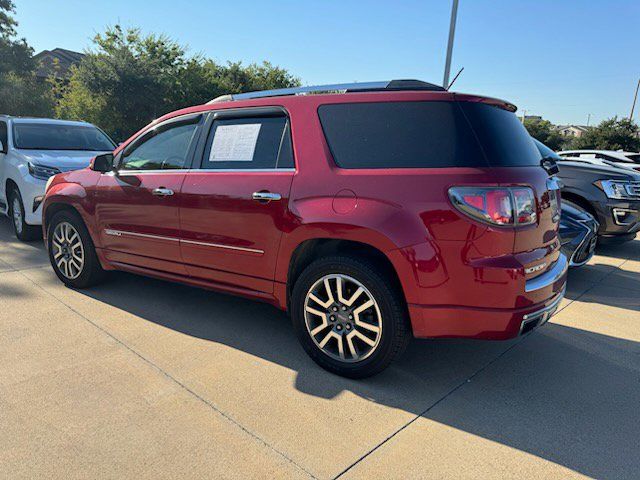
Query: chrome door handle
x,y
162,192
266,197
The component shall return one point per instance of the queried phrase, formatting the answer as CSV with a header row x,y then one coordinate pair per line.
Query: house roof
x,y
56,62
582,128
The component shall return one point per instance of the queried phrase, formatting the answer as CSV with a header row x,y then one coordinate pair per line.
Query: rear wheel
x,y
71,251
349,317
23,230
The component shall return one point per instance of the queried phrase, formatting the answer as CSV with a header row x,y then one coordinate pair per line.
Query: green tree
x,y
543,131
20,92
15,54
130,79
610,134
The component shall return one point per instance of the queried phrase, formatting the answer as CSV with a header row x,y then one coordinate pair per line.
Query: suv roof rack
x,y
392,85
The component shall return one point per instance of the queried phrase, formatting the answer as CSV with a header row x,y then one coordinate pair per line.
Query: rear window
x,y
400,135
504,139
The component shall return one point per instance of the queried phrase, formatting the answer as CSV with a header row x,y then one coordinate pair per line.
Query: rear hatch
x,y
509,148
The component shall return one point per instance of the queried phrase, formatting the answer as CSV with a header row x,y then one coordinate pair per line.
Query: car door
x,y
234,202
137,204
4,139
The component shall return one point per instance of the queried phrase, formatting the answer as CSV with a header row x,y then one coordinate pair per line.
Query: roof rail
x,y
393,85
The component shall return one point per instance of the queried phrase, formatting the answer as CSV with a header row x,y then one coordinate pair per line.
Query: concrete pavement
x,y
148,379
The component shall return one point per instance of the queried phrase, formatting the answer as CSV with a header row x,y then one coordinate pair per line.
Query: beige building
x,y
572,130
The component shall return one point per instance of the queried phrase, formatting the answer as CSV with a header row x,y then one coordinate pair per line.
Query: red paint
x,y
461,278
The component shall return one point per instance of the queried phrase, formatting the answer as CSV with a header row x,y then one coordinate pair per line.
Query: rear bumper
x,y
534,301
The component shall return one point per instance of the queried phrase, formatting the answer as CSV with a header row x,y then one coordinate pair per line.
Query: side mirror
x,y
102,163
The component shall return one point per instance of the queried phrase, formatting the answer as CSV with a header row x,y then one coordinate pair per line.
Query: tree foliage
x,y
543,131
610,134
20,92
15,54
130,79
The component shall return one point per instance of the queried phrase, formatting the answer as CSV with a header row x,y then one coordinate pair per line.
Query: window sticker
x,y
234,143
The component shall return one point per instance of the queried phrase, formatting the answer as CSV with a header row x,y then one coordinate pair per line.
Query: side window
x,y
165,147
3,137
249,143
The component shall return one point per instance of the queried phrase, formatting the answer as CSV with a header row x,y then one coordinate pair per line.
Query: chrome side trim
x,y
549,277
218,245
119,233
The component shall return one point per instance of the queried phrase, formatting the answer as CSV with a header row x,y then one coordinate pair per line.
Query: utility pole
x,y
452,32
588,119
635,97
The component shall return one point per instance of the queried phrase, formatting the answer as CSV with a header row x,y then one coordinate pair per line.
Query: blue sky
x,y
562,59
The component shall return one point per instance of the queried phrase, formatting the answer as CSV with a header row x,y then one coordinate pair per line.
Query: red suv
x,y
371,212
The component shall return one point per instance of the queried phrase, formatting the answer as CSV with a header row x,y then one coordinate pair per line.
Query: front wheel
x,y
22,229
349,317
71,251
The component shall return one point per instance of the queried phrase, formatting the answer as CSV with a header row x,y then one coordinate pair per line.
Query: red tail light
x,y
506,206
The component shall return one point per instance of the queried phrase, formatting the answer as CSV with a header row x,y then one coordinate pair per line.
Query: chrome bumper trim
x,y
549,277
541,316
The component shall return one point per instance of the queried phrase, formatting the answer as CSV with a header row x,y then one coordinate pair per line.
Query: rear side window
x,y
249,143
400,135
504,139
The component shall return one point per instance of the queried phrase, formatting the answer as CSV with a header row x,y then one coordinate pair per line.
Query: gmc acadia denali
x,y
371,212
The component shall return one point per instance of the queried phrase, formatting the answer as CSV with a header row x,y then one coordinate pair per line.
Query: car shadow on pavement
x,y
564,394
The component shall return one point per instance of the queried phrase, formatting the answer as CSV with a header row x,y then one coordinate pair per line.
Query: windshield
x,y
48,136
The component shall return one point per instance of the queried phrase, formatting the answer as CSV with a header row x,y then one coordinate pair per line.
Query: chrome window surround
x,y
197,170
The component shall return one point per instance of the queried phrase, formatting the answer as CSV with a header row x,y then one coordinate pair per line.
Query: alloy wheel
x,y
343,318
68,251
17,214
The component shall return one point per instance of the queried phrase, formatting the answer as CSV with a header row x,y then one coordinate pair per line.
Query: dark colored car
x,y
390,210
578,234
608,192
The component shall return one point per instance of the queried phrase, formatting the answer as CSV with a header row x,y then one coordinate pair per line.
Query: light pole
x,y
635,97
452,32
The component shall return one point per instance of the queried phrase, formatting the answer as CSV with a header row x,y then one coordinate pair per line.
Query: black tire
x,y
24,231
392,312
91,272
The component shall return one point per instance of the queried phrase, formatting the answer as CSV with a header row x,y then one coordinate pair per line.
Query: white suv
x,y
31,151
619,157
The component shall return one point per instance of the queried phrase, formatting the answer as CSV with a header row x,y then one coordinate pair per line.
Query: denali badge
x,y
537,268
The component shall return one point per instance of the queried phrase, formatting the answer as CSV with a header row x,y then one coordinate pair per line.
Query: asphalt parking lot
x,y
141,378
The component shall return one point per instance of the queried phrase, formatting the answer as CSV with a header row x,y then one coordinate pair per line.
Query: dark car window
x,y
3,137
249,143
503,137
48,136
400,135
165,147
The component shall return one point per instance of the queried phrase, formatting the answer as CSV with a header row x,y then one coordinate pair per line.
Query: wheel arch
x,y
313,248
579,200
